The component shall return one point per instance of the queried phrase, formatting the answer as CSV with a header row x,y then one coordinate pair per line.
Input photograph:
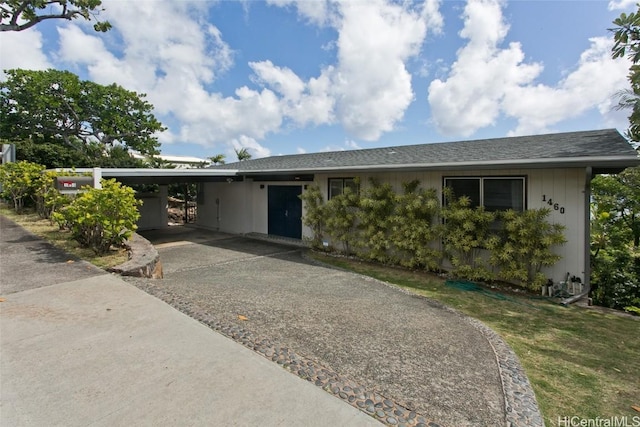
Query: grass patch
x,y
580,362
62,238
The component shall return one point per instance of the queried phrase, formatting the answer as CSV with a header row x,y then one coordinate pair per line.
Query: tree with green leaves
x,y
19,15
218,159
101,218
59,113
626,36
243,154
19,182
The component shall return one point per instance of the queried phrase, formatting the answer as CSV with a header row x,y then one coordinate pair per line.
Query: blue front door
x,y
285,211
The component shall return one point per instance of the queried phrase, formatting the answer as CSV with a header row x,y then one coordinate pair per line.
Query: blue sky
x,y
286,76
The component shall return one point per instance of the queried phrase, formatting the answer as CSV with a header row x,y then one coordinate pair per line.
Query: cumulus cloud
x,y
173,67
369,88
622,4
22,50
593,83
488,81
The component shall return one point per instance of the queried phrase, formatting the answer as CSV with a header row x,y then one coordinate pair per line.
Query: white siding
x,y
226,207
153,212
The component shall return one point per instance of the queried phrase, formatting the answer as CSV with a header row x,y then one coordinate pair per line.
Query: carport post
x,y
97,177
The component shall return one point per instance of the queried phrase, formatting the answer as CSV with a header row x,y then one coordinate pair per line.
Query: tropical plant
x,y
615,239
415,231
525,245
20,181
101,218
315,214
242,154
341,218
466,233
375,209
218,159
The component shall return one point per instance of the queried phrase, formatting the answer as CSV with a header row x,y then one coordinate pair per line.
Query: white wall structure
x,y
154,209
227,207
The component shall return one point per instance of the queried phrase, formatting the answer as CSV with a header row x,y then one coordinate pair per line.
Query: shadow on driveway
x,y
27,262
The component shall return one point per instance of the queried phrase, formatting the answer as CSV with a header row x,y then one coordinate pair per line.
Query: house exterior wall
x,y
226,207
243,206
566,187
153,212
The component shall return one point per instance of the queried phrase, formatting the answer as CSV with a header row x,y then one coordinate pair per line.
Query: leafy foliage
x,y
101,218
315,213
19,15
83,120
414,227
341,218
242,154
626,36
525,246
615,239
218,159
376,207
406,229
466,232
20,182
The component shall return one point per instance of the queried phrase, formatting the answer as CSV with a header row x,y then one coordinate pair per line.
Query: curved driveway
x,y
405,348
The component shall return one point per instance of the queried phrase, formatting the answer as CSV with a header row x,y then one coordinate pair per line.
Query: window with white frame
x,y
494,193
338,185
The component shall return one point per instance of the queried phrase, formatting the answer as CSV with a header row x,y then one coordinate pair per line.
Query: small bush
x,y
466,233
524,246
48,198
101,218
415,231
20,181
315,214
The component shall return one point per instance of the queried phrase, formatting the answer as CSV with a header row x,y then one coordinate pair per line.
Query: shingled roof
x,y
604,150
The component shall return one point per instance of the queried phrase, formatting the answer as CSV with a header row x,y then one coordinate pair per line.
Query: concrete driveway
x,y
399,357
81,347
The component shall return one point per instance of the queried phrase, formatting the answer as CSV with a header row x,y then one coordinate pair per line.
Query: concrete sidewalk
x,y
98,351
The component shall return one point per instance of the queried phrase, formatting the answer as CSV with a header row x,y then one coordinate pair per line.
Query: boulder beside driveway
x,y
144,260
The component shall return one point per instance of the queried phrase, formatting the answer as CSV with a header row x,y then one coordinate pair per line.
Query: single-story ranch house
x,y
525,172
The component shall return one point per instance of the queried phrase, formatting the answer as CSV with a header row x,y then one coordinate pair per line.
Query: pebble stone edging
x,y
520,401
521,406
370,402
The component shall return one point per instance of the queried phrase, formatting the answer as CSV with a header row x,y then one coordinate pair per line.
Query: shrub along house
x,y
520,173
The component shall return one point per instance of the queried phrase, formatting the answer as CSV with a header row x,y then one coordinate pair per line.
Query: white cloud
x,y
488,82
369,88
622,4
470,97
372,83
169,52
592,84
22,49
316,11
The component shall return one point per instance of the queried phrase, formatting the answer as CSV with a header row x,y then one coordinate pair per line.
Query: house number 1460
x,y
556,206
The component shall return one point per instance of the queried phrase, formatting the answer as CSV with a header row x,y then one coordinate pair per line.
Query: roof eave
x,y
601,163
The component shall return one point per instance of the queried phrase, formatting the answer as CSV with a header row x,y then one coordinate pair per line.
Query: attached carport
x,y
154,211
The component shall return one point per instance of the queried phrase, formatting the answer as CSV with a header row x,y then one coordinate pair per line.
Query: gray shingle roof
x,y
604,149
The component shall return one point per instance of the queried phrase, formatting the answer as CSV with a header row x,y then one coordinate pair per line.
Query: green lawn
x,y
580,362
62,239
